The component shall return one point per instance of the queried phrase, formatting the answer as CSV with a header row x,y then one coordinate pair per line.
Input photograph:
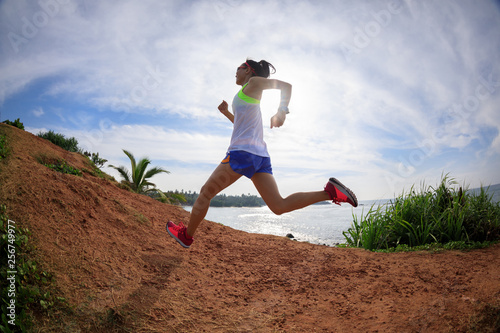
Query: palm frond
x,y
132,159
138,177
154,171
123,172
140,172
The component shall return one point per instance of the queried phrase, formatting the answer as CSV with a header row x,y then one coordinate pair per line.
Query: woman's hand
x,y
278,119
223,108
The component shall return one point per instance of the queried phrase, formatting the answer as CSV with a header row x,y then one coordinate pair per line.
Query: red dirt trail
x,y
120,271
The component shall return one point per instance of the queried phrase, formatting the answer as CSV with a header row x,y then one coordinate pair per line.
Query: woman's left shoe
x,y
179,233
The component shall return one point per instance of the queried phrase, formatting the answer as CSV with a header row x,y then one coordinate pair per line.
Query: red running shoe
x,y
179,233
339,193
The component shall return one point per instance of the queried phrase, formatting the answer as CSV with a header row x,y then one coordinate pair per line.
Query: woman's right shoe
x,y
339,193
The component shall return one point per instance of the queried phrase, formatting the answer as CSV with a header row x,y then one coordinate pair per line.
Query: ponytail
x,y
261,68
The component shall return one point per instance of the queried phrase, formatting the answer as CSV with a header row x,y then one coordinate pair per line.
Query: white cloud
x,y
38,112
361,115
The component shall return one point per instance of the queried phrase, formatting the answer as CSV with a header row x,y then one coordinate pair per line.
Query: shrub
x,y
16,123
94,157
71,144
60,140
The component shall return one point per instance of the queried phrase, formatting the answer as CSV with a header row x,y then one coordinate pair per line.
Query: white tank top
x,y
248,131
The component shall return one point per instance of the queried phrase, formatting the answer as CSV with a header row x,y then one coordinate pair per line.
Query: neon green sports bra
x,y
246,98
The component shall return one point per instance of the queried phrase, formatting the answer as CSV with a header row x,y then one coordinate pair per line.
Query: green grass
x,y
4,148
62,167
23,285
57,164
433,215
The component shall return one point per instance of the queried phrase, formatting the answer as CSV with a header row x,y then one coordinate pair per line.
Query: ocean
x,y
317,224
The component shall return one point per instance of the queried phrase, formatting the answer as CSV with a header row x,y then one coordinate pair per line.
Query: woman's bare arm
x,y
258,84
223,108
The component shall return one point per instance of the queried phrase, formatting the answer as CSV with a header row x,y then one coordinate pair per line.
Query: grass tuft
x,y
26,290
59,165
441,215
4,148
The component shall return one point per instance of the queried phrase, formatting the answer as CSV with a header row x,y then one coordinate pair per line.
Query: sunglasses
x,y
246,65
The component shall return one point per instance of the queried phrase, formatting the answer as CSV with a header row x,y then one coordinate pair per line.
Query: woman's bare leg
x,y
268,190
222,177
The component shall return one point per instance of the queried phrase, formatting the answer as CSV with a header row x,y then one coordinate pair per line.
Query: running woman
x,y
247,154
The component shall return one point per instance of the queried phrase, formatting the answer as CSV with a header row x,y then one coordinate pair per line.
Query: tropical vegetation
x,y
96,159
440,214
69,144
16,123
21,279
138,178
223,200
4,148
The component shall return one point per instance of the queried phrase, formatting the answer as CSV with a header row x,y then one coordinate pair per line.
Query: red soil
x,y
120,271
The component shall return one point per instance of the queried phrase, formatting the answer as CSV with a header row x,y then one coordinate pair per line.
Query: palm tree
x,y
138,179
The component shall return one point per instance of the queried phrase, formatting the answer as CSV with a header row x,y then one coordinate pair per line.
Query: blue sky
x,y
386,94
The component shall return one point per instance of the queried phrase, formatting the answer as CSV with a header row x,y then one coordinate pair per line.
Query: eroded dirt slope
x,y
114,262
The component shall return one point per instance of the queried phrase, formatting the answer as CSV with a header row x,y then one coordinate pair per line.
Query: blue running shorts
x,y
247,164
